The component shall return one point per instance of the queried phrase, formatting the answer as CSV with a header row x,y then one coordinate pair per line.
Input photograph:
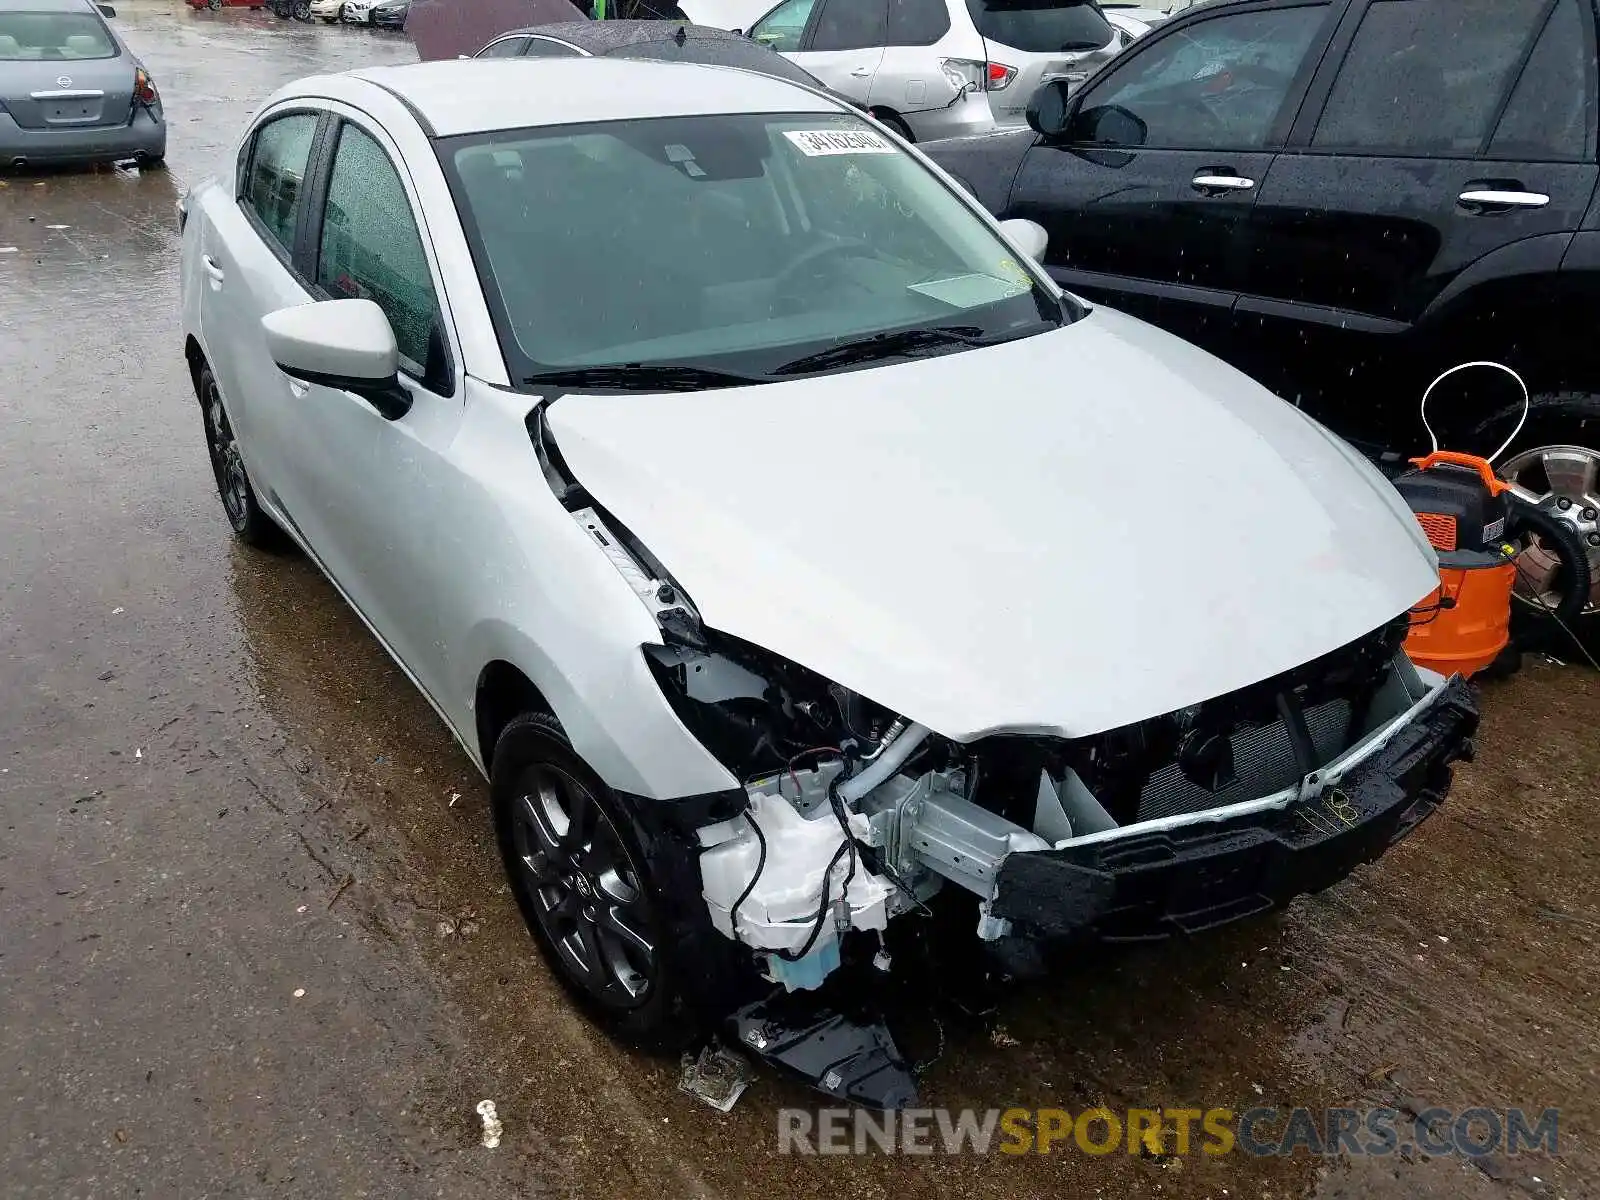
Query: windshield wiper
x,y
884,345
643,377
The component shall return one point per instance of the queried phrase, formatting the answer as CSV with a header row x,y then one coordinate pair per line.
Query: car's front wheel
x,y
249,522
576,862
1556,456
302,10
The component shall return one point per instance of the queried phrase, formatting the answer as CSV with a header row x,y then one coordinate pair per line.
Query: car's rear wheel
x,y
302,10
249,523
575,858
894,122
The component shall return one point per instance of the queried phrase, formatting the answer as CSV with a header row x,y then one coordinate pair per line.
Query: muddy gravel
x,y
253,934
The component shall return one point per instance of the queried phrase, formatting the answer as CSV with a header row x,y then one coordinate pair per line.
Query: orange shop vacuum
x,y
1479,525
1463,626
1465,623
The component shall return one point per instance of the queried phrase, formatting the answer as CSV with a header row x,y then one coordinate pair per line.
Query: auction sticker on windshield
x,y
815,142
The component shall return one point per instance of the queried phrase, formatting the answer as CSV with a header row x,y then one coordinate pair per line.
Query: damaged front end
x,y
855,816
1179,823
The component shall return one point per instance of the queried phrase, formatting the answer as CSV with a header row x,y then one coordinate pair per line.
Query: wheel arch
x,y
503,693
196,358
600,690
884,113
1518,306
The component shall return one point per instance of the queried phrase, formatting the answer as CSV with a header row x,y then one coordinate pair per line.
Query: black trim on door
x,y
1101,282
315,193
1333,56
809,33
1317,314
1515,77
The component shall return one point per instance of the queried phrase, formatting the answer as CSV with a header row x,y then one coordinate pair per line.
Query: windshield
x,y
1041,26
741,242
52,37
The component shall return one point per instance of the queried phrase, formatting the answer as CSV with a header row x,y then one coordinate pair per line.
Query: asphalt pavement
x,y
253,935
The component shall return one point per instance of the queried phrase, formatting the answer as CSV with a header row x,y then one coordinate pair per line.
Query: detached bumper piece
x,y
1193,877
849,1058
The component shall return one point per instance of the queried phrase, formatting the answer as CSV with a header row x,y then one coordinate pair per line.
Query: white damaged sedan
x,y
794,558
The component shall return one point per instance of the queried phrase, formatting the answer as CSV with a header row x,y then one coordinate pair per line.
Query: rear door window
x,y
1217,85
539,47
917,22
1041,26
1551,110
509,47
276,171
849,25
370,249
1426,77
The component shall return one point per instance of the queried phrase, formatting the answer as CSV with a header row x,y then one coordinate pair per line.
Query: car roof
x,y
601,37
481,95
671,41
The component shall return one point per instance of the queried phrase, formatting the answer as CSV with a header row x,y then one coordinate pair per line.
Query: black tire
x,y
302,10
238,494
896,123
152,162
592,895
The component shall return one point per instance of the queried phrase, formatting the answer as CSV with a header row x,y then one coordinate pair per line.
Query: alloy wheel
x,y
1565,480
226,462
587,892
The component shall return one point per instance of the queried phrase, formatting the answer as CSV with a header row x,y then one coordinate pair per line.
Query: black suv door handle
x,y
1480,197
1221,179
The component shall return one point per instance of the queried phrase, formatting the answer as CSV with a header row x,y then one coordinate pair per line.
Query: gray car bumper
x,y
144,137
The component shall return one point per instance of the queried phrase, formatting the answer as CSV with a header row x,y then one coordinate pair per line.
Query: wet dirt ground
x,y
253,935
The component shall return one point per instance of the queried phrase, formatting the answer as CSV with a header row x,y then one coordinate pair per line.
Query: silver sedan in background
x,y
71,91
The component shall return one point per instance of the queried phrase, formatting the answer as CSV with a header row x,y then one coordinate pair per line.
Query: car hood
x,y
1060,535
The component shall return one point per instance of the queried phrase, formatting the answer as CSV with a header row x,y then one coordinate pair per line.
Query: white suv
x,y
941,68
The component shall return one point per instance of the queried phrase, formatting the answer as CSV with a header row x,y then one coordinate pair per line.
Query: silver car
x,y
70,90
941,68
756,513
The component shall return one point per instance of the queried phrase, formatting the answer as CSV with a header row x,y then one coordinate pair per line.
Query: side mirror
x,y
1027,236
1051,109
106,10
343,344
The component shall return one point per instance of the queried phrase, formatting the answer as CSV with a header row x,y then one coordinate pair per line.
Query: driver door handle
x,y
861,72
209,264
1219,179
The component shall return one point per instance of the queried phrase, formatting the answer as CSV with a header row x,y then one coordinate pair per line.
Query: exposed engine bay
x,y
858,814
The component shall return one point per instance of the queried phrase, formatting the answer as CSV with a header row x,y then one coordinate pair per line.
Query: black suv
x,y
1344,199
